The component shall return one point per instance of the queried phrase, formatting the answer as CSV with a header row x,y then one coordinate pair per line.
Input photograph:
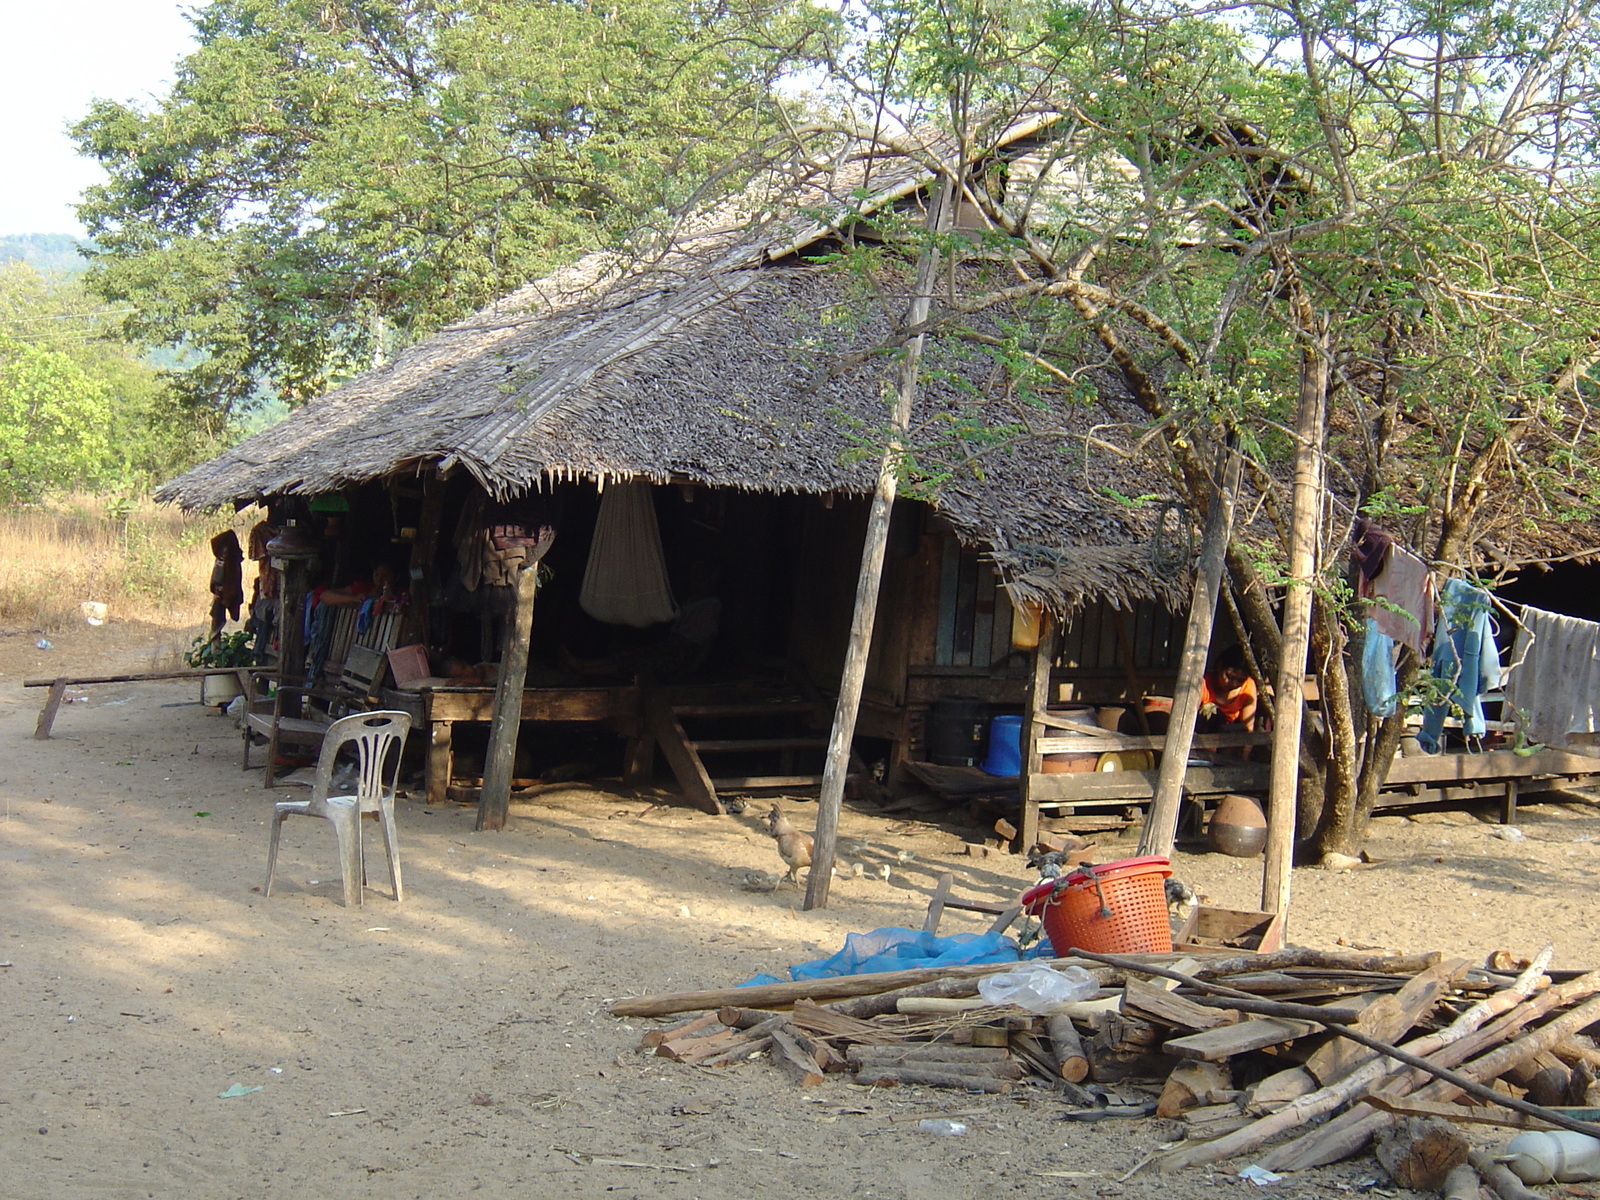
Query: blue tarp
x,y
902,949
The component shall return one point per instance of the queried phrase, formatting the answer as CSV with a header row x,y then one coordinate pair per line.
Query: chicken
x,y
794,847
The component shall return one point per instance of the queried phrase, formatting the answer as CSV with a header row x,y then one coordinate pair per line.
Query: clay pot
x,y
1238,827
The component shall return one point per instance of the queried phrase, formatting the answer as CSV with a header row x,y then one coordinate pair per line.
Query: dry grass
x,y
153,564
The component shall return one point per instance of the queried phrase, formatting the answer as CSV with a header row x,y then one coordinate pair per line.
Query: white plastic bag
x,y
1037,987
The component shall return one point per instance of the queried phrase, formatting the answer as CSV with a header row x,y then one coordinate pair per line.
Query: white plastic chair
x,y
377,737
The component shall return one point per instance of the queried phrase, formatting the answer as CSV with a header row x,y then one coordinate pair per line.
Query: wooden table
x,y
438,708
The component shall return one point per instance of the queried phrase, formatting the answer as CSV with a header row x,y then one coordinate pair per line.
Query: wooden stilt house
x,y
741,375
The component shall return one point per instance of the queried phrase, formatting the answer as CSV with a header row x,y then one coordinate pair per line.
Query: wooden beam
x,y
853,680
136,677
1213,1045
1161,820
1118,741
494,801
1140,785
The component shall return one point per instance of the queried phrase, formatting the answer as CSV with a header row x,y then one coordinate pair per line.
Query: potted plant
x,y
223,650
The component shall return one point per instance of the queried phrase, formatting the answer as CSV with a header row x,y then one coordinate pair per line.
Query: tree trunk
x,y
1306,512
860,646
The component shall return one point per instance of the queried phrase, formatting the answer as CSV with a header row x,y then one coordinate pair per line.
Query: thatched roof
x,y
725,358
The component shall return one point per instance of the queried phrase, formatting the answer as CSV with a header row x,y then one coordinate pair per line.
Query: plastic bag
x,y
1037,987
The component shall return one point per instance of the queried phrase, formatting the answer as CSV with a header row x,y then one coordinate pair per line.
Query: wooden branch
x,y
1350,1132
1500,1177
1336,960
1326,1099
782,995
885,1002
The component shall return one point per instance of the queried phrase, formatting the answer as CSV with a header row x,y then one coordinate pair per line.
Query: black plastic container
x,y
958,728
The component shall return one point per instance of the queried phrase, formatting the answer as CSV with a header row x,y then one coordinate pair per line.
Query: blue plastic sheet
x,y
900,950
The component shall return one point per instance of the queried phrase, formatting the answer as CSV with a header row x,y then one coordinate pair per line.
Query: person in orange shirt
x,y
1228,695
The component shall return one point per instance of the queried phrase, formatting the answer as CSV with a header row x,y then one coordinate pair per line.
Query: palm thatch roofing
x,y
729,356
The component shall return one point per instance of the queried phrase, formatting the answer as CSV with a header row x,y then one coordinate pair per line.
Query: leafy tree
x,y
1400,193
142,433
326,181
54,422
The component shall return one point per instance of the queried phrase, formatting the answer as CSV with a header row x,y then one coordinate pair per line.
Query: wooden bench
x,y
58,687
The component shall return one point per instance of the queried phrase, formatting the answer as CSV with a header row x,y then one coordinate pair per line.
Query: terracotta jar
x,y
1238,827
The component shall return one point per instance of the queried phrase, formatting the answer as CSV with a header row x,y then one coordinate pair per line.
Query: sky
x,y
61,54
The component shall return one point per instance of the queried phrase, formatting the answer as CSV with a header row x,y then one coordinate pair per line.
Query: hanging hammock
x,y
626,580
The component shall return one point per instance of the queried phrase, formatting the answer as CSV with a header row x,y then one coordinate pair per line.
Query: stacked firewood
x,y
1399,1050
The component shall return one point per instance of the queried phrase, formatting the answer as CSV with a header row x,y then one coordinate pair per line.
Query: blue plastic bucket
x,y
1005,746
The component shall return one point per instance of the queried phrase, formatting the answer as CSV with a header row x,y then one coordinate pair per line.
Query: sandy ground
x,y
459,1042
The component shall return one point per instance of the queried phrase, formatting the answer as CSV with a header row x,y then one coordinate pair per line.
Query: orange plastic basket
x,y
1118,908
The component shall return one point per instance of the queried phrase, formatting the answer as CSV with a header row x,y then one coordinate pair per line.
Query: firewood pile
x,y
1343,1050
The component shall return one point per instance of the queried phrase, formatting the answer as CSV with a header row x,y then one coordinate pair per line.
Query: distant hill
x,y
55,252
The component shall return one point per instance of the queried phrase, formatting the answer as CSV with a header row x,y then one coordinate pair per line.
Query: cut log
x,y
1544,1078
826,1057
787,1050
693,1049
742,1018
1189,1085
1276,1090
1067,1046
933,1075
1113,1057
748,1048
654,1037
908,1052
1420,1152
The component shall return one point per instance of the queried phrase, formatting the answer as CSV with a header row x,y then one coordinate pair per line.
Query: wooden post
x,y
494,800
1289,698
853,679
1044,657
291,627
441,760
1161,819
414,623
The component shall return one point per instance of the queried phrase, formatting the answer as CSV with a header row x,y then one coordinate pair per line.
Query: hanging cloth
x,y
1377,671
1552,682
626,580
1465,662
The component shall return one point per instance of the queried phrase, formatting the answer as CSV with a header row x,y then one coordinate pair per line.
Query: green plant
x,y
224,650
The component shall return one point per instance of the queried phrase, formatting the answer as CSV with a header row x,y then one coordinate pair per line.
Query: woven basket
x,y
1118,908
